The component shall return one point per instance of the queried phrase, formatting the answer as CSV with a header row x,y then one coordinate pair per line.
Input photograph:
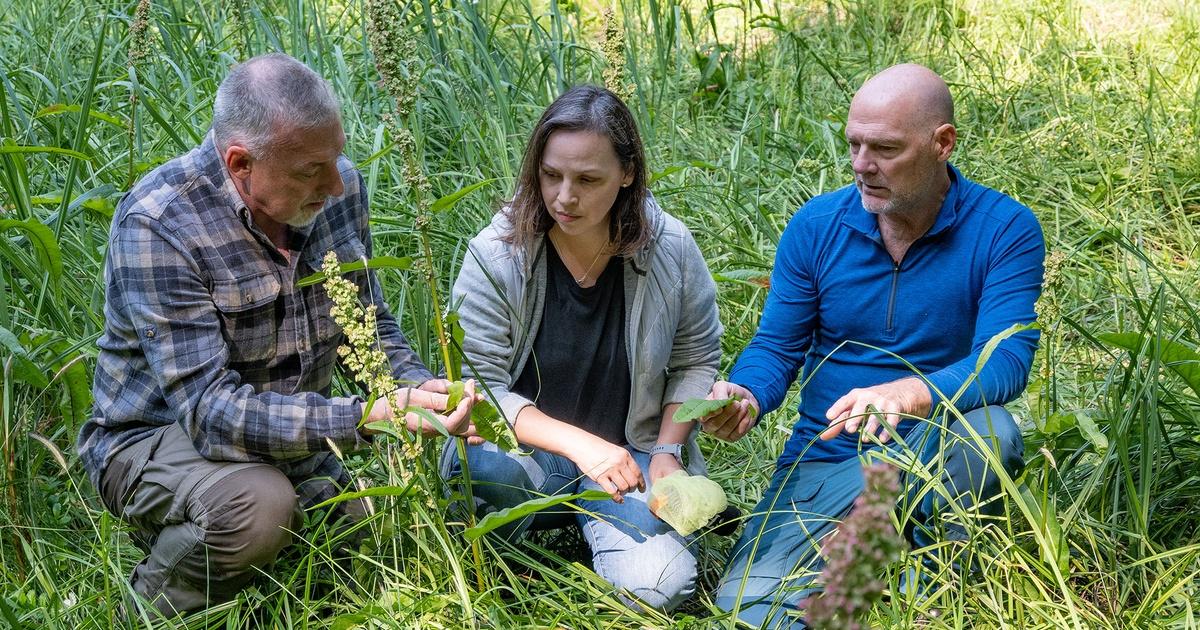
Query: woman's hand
x,y
662,465
609,465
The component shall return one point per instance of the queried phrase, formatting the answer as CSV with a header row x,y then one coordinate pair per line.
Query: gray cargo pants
x,y
209,527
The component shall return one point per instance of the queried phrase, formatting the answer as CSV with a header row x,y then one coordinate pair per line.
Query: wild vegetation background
x,y
1085,110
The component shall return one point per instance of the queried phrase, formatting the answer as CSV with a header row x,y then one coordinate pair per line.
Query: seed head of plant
x,y
858,554
139,34
613,48
361,354
1049,305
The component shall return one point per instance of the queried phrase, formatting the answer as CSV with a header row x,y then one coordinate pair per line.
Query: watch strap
x,y
673,449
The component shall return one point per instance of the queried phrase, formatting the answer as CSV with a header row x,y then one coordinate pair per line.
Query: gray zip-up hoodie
x,y
672,329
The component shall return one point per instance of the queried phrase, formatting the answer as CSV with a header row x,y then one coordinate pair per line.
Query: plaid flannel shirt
x,y
205,326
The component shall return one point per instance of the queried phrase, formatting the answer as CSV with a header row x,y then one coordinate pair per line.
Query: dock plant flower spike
x,y
858,554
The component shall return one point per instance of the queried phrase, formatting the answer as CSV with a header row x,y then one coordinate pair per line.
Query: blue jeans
x,y
776,561
631,548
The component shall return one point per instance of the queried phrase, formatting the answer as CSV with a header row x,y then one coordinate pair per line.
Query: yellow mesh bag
x,y
686,502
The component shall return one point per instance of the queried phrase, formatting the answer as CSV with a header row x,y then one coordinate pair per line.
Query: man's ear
x,y
239,161
944,139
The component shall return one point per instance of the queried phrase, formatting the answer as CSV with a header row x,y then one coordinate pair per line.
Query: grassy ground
x,y
1088,111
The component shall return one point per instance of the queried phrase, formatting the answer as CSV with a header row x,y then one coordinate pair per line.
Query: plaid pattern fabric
x,y
204,326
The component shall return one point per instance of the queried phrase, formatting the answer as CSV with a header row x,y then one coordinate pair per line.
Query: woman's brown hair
x,y
584,108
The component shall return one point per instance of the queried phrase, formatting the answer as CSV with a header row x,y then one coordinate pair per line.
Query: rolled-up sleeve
x,y
167,302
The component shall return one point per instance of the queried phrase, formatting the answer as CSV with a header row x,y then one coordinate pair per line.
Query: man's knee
x,y
252,514
999,432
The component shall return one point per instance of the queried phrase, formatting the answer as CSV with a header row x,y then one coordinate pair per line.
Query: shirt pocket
x,y
247,306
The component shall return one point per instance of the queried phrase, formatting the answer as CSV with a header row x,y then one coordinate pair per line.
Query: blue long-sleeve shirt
x,y
841,308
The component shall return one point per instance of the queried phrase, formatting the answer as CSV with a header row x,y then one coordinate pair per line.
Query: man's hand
x,y
457,422
662,465
435,385
889,403
609,465
731,422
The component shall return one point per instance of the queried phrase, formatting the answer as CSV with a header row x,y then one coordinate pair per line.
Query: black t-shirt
x,y
578,371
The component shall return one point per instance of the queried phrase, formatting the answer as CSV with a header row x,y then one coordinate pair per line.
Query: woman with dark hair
x,y
590,315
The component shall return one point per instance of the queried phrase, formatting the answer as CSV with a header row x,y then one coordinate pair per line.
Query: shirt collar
x,y
211,162
858,219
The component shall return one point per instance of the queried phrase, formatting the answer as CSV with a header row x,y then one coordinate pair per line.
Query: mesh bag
x,y
685,502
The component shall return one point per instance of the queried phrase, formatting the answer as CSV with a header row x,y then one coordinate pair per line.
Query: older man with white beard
x,y
213,417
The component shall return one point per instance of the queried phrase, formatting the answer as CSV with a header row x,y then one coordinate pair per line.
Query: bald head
x,y
901,133
915,93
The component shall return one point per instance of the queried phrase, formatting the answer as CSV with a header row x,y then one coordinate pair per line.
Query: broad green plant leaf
x,y
23,367
451,200
1057,423
1089,429
380,491
508,515
378,262
696,408
492,427
45,246
454,394
77,385
1181,359
1055,551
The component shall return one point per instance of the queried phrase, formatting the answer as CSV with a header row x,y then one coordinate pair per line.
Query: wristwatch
x,y
673,449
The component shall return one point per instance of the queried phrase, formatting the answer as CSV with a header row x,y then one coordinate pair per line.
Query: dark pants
x,y
208,526
777,561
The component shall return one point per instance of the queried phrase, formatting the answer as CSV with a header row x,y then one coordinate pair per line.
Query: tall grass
x,y
1086,110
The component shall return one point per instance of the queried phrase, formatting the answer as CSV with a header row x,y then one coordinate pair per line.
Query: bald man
x,y
885,292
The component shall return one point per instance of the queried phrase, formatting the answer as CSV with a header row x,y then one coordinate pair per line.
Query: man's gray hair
x,y
267,95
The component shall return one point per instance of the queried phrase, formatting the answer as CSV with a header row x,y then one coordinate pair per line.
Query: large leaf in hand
x,y
508,515
378,262
697,408
491,427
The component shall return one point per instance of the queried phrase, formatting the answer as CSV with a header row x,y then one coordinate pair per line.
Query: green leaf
x,y
378,262
675,168
59,108
508,515
1055,550
429,417
45,247
451,200
1087,426
1181,359
696,408
990,346
493,428
23,369
380,491
1057,423
454,394
17,148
